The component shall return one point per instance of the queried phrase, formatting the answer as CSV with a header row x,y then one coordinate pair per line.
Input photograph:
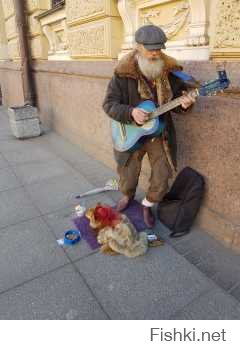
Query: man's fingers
x,y
188,98
142,113
140,116
184,105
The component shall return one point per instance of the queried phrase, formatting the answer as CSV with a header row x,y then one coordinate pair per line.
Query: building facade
x,y
75,45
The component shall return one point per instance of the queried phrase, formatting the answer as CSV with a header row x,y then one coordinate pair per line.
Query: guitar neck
x,y
170,105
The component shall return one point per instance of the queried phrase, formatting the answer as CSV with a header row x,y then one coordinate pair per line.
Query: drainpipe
x,y
22,30
24,120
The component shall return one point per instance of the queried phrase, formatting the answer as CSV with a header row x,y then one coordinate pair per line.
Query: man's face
x,y
151,55
150,62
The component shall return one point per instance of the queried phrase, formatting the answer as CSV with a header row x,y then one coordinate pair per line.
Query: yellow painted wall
x,y
94,29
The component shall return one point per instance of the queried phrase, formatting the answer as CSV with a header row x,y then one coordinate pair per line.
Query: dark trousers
x,y
160,170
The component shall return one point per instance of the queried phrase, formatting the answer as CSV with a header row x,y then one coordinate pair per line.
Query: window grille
x,y
57,2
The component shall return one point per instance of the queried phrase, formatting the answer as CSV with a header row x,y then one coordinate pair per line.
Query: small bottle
x,y
152,237
80,210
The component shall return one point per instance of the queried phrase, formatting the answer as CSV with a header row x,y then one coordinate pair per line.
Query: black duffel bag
x,y
180,205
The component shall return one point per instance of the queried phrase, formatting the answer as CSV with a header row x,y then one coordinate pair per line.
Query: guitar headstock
x,y
213,86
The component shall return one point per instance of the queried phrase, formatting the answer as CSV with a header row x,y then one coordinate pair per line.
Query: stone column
x,y
55,29
127,12
3,37
11,31
198,25
38,42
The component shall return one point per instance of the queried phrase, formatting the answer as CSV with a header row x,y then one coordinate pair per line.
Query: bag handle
x,y
179,234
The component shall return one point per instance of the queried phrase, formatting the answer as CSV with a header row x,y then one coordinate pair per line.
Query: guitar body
x,y
133,132
126,136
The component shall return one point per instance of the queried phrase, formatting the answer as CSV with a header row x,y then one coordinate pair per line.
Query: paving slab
x,y
213,305
3,162
13,144
61,294
5,130
95,171
24,151
4,121
15,206
228,278
217,262
59,192
235,292
34,172
8,180
5,134
27,250
153,286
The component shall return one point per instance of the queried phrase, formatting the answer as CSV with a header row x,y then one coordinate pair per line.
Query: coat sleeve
x,y
113,102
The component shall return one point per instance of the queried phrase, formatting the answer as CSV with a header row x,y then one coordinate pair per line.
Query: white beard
x,y
151,69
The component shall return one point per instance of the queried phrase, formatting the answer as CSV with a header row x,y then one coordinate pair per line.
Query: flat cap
x,y
151,37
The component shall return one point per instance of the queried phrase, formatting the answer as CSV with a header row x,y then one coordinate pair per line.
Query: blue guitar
x,y
126,136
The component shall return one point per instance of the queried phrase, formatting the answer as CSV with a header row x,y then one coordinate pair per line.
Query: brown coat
x,y
127,89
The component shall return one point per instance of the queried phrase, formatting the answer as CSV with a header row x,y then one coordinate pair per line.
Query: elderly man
x,y
146,73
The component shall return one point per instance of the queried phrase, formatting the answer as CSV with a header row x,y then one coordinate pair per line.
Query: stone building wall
x,y
75,48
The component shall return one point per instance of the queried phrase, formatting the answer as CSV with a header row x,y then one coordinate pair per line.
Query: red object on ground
x,y
106,215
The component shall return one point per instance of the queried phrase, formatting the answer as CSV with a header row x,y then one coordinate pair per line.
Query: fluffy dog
x,y
115,232
123,238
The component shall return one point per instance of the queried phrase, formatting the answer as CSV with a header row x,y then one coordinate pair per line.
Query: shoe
x,y
123,203
148,217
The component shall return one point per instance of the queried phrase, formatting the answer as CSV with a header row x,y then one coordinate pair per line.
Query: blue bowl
x,y
72,237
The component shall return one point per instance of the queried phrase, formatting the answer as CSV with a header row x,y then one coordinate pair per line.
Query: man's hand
x,y
187,100
140,116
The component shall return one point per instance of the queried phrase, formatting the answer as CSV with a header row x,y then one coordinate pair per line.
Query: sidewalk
x,y
188,278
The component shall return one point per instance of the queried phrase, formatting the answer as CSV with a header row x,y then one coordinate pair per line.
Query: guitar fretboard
x,y
170,105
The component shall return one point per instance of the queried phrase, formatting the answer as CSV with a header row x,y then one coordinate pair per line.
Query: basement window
x,y
56,3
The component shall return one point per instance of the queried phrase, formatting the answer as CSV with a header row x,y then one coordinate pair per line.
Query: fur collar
x,y
128,67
